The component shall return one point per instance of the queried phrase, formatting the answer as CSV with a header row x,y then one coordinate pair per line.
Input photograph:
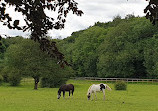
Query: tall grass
x,y
137,97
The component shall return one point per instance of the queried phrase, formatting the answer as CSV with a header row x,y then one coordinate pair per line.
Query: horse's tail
x,y
73,88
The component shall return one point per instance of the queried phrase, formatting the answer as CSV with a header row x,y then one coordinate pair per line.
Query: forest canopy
x,y
121,48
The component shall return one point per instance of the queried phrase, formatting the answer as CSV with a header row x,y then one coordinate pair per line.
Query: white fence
x,y
116,79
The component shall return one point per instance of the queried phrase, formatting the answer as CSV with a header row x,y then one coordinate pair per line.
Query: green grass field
x,y
137,97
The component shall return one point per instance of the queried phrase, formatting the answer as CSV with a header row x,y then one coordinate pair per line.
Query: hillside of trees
x,y
125,48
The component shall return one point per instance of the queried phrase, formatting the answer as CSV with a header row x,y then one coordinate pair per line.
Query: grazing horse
x,y
65,87
96,88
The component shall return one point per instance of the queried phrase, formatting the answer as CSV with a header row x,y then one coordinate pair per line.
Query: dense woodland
x,y
125,48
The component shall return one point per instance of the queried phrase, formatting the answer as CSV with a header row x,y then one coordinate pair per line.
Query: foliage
x,y
14,77
55,76
28,60
35,17
2,51
52,82
5,73
81,53
38,21
3,68
11,75
120,85
113,49
122,52
125,48
150,56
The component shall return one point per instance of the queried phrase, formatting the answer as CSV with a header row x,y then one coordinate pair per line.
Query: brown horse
x,y
65,87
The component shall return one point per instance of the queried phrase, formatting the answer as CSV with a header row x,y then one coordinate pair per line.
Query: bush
x,y
120,85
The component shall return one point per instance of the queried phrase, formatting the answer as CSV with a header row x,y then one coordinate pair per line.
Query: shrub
x,y
120,85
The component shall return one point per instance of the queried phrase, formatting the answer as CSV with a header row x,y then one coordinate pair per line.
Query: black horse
x,y
65,87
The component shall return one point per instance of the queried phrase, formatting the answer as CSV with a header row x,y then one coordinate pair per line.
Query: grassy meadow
x,y
137,97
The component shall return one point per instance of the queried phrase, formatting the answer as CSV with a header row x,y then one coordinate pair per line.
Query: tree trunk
x,y
36,83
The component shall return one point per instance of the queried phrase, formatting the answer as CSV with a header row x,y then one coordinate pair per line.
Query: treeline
x,y
21,57
125,48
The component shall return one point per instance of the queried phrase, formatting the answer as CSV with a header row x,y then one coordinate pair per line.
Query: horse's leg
x,y
95,95
72,92
64,94
92,96
104,94
69,94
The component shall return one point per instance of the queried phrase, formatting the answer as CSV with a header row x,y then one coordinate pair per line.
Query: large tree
x,y
26,58
38,21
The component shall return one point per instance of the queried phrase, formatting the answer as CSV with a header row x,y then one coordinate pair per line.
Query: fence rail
x,y
116,79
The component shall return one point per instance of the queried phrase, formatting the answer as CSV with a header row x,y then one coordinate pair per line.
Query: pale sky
x,y
94,11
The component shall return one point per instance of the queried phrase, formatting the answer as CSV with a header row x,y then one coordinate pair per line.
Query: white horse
x,y
96,88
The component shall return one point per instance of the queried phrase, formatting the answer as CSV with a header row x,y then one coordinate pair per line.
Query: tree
x,y
122,52
80,50
5,44
27,59
38,21
152,11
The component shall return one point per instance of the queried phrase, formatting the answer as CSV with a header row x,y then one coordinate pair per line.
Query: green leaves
x,y
37,20
27,59
80,50
122,52
113,49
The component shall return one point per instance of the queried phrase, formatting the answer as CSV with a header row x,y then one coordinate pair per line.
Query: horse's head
x,y
89,96
59,94
108,88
